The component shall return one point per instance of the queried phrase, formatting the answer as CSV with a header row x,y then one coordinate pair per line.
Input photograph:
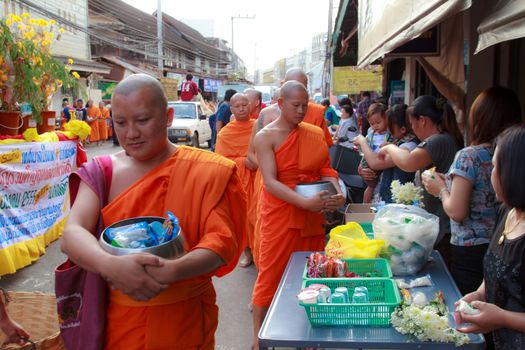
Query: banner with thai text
x,y
353,80
33,188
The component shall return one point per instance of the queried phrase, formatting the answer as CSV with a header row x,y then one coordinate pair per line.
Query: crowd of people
x,y
241,198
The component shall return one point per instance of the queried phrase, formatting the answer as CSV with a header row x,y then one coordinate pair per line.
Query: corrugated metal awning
x,y
87,66
507,22
385,25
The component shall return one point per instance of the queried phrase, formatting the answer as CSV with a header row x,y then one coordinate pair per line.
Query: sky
x,y
280,29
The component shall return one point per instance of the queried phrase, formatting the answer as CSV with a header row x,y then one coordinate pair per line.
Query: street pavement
x,y
233,291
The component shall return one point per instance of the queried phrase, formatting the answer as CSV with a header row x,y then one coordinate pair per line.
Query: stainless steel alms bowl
x,y
168,250
310,189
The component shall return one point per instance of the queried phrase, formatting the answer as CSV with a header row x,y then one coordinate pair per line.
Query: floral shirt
x,y
474,164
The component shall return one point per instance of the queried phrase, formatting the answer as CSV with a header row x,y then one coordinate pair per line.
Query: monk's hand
x,y
315,203
164,273
128,274
334,202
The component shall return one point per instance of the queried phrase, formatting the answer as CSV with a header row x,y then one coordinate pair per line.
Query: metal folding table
x,y
286,324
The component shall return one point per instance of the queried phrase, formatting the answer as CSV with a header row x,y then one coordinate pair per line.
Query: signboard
x,y
34,179
353,80
107,89
397,92
211,85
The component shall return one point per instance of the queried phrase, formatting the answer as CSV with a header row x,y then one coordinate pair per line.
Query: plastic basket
x,y
377,268
383,297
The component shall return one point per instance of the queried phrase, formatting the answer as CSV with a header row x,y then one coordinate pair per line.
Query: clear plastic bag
x,y
409,233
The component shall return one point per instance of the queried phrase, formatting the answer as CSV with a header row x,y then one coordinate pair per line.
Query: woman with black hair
x,y
466,193
500,299
434,122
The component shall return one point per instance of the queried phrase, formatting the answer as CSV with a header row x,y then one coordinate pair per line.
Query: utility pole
x,y
159,38
327,76
238,17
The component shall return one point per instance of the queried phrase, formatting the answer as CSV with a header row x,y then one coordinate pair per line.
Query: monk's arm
x,y
251,158
268,167
125,273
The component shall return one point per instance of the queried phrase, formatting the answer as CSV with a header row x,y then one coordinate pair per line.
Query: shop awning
x,y
385,25
87,66
506,22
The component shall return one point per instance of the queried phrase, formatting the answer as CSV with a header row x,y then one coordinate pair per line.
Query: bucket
x,y
27,122
10,122
48,122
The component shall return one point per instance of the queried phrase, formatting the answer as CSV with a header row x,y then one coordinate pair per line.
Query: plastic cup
x,y
359,298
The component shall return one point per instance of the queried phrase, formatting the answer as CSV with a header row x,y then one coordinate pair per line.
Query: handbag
x,y
82,295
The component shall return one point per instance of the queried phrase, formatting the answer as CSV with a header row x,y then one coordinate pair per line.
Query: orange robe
x,y
232,142
285,228
204,191
103,124
94,112
315,116
254,211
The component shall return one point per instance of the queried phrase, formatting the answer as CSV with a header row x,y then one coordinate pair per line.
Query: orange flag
x,y
315,116
204,191
232,142
285,228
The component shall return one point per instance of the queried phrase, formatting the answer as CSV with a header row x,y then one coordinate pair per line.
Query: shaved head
x,y
276,94
237,97
296,74
255,93
292,86
139,82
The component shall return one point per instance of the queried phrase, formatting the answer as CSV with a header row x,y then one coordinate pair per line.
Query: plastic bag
x,y
350,242
410,233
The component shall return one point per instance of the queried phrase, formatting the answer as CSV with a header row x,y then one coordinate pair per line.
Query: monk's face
x,y
293,106
254,102
240,107
141,123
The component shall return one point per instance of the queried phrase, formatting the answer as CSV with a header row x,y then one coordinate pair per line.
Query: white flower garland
x,y
407,193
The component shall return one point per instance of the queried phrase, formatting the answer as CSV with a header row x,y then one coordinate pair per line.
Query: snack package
x,y
130,236
466,308
409,234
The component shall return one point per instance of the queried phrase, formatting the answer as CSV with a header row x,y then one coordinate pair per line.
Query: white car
x,y
190,124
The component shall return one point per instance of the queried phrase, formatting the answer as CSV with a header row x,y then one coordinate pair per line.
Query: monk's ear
x,y
280,102
169,116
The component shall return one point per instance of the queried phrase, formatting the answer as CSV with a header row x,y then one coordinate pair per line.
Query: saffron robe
x,y
232,142
285,228
204,191
94,113
315,116
103,124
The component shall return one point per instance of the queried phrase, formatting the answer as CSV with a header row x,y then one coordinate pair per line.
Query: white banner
x,y
34,181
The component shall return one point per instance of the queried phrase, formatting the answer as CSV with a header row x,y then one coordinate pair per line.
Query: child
x,y
14,332
348,120
377,136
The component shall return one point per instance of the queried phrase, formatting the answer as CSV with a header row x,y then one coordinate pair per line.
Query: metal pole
x,y
328,54
159,38
232,33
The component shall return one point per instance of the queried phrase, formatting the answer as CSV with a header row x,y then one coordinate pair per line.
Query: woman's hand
x,y
367,174
490,317
14,332
434,183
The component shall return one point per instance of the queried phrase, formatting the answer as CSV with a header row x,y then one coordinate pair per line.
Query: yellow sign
x,y
14,156
170,88
353,80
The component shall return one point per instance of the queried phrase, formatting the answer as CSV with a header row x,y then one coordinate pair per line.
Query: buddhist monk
x,y
255,98
93,115
232,142
315,114
103,121
156,303
267,115
289,152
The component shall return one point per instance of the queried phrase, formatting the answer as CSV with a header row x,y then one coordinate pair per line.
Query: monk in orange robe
x,y
315,113
93,115
157,303
255,98
103,121
289,152
232,142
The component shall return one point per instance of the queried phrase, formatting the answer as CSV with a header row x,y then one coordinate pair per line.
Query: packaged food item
x,y
308,296
467,308
130,236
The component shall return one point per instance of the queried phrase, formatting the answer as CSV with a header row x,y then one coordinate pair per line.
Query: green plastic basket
x,y
377,268
383,297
